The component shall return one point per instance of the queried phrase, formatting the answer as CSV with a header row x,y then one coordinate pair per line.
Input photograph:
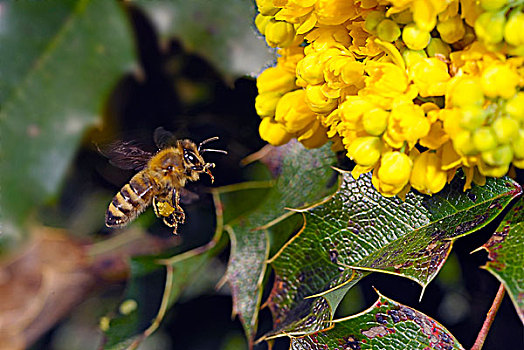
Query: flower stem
x,y
489,319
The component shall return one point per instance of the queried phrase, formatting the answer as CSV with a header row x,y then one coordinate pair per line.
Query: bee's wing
x,y
186,196
163,138
126,155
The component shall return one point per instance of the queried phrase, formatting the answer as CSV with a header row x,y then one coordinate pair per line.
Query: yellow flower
x,y
436,137
275,79
365,151
266,7
279,33
430,76
314,136
293,112
427,176
499,80
385,83
407,123
266,103
318,102
273,132
393,173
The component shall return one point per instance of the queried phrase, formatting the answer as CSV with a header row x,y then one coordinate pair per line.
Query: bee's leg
x,y
179,212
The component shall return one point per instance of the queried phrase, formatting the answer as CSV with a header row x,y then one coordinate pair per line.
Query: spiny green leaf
x,y
303,178
359,231
506,252
60,61
385,325
221,31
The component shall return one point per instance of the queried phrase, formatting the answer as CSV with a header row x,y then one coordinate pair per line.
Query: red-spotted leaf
x,y
506,254
385,325
303,177
358,231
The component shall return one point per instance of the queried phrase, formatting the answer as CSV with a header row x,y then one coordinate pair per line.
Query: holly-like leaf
x,y
358,231
60,60
385,325
303,177
221,31
506,254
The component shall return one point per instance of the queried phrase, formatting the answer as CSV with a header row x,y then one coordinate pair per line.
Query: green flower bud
x,y
373,19
489,27
463,143
514,29
388,30
515,107
472,117
506,129
492,5
501,155
484,139
437,46
518,145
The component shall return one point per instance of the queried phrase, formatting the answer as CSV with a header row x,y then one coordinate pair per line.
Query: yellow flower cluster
x,y
413,90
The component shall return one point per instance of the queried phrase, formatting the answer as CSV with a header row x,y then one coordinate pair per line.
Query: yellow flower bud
x,y
472,117
514,29
273,132
365,151
492,5
463,143
452,29
430,76
293,112
515,107
407,122
411,56
484,139
518,145
388,30
261,22
466,92
279,33
375,121
315,136
498,156
393,173
427,176
499,80
489,27
493,171
266,7
275,79
506,129
266,103
403,17
415,38
353,108
311,70
318,102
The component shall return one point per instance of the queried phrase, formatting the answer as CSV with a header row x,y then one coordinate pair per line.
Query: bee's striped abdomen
x,y
130,201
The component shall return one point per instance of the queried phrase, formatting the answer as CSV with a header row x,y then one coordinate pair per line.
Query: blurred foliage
x,y
79,73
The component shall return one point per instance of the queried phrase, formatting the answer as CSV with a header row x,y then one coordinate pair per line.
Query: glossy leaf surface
x,y
506,255
359,231
303,178
385,325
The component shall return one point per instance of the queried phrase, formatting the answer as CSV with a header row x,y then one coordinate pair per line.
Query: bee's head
x,y
194,163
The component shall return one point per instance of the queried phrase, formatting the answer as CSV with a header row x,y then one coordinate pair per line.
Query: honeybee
x,y
160,180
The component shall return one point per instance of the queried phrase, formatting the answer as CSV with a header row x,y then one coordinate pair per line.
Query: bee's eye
x,y
169,168
190,157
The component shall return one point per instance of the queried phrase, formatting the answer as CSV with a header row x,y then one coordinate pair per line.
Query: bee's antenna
x,y
213,150
206,141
